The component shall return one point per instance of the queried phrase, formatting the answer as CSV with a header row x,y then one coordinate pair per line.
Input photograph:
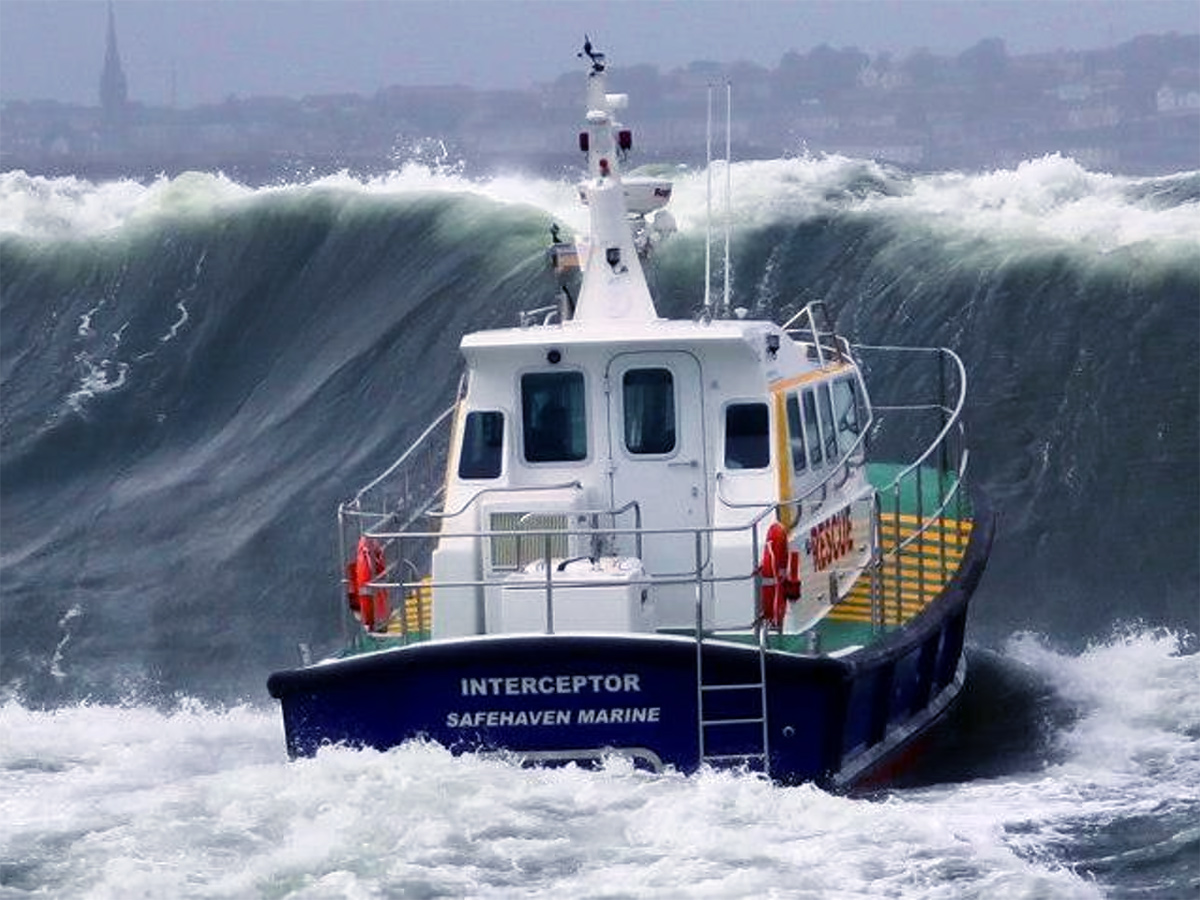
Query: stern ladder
x,y
755,692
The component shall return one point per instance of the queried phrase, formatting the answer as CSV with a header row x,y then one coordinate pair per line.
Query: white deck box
x,y
609,594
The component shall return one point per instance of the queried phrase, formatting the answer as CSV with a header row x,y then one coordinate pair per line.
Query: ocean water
x,y
194,371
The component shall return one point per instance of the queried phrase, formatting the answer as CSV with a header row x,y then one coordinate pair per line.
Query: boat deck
x,y
917,562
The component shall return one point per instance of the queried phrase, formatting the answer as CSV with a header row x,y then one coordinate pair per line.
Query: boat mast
x,y
614,286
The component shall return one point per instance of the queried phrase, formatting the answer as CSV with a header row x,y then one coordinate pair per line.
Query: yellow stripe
x,y
908,588
888,517
948,536
952,549
950,529
418,610
913,594
911,576
931,554
855,606
826,371
787,514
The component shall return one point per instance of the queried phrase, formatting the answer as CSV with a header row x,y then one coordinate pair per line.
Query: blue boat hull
x,y
833,721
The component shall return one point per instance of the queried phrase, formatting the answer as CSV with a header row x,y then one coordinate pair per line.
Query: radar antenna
x,y
596,58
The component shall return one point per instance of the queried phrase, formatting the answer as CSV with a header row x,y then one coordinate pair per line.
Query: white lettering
x,y
515,686
618,715
507,718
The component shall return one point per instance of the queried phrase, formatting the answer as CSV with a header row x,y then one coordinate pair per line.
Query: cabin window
x,y
648,398
812,431
827,429
553,417
845,412
747,436
482,445
796,434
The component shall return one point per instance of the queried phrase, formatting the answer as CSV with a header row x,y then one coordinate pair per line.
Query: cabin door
x,y
656,421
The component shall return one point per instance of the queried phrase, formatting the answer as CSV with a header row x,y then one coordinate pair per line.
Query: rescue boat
x,y
669,540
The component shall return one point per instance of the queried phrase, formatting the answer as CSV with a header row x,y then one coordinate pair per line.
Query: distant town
x,y
1133,108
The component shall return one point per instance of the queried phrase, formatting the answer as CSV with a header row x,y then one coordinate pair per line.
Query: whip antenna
x,y
708,211
728,188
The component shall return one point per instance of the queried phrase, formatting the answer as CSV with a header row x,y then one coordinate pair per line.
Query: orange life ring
x,y
773,570
791,586
370,606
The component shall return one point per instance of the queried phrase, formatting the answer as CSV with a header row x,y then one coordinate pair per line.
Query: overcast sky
x,y
201,51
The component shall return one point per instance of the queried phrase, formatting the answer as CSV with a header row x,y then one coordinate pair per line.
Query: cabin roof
x,y
624,334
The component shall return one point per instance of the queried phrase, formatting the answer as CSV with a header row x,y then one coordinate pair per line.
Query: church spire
x,y
113,90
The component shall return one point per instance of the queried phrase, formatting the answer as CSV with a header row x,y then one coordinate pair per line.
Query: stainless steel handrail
x,y
956,412
505,489
404,457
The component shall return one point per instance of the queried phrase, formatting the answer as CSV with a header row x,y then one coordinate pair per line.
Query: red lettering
x,y
832,539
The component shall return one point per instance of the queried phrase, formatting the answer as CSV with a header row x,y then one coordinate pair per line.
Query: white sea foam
x,y
96,377
115,802
36,206
1049,199
104,802
1142,709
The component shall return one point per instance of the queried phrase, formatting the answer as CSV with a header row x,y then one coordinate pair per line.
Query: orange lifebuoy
x,y
370,606
791,587
773,570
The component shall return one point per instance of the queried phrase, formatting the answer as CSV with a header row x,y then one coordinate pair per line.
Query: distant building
x,y
1133,109
1180,93
114,92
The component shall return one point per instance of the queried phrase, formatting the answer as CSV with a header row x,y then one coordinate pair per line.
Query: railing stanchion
x,y
920,541
896,551
699,645
341,564
876,565
549,584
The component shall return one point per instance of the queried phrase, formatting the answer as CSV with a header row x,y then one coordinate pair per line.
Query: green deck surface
x,y
881,476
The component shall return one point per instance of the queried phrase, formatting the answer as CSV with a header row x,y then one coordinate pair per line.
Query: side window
x,y
482,445
553,416
831,446
845,412
796,434
648,399
812,431
747,436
